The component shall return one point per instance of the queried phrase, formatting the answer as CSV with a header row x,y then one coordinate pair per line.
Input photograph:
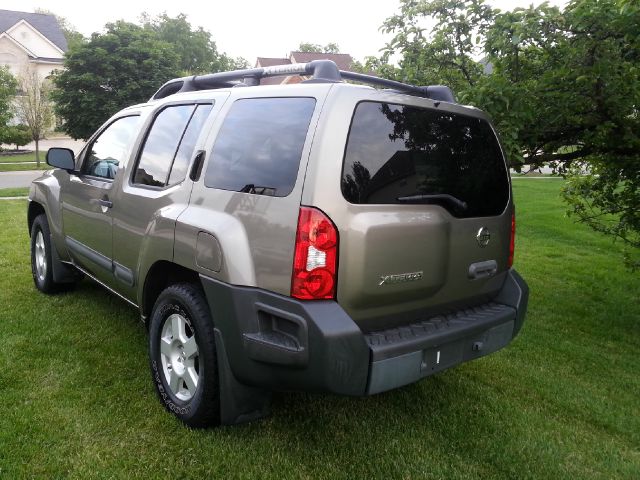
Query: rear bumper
x,y
280,343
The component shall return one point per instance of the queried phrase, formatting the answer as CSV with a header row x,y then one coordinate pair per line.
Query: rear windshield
x,y
402,154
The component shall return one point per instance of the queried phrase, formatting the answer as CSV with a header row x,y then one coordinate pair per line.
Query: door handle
x,y
196,169
105,203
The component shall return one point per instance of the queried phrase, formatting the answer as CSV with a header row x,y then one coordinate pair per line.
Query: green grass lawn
x,y
11,163
562,401
14,192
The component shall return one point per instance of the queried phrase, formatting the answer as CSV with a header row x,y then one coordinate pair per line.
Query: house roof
x,y
269,61
46,24
343,60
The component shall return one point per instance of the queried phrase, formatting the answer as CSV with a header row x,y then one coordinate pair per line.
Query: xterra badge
x,y
400,278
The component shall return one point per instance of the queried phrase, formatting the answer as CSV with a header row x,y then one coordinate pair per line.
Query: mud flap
x,y
61,272
238,403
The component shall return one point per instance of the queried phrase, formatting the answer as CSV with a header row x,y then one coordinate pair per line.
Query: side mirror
x,y
61,158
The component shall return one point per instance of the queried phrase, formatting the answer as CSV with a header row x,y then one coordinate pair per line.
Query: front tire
x,y
182,355
41,260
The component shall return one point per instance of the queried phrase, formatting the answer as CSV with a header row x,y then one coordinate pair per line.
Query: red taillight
x,y
315,258
512,241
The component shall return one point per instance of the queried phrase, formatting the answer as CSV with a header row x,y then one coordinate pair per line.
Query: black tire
x,y
43,273
187,301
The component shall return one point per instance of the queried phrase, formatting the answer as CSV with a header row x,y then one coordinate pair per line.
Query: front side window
x,y
259,146
400,154
110,148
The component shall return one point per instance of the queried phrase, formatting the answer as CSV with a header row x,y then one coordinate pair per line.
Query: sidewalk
x,y
18,179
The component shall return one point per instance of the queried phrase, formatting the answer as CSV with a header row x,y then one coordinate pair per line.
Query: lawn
x,y
563,401
14,192
11,163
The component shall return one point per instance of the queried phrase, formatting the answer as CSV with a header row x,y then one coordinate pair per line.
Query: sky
x,y
254,28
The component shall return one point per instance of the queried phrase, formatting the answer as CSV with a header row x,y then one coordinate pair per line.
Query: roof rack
x,y
321,71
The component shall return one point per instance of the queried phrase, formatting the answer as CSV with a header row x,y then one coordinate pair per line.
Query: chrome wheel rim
x,y
40,257
179,357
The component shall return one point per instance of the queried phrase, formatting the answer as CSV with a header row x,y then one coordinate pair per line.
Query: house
x,y
343,60
31,39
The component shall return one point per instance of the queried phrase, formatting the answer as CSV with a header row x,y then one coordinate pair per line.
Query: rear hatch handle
x,y
435,198
484,269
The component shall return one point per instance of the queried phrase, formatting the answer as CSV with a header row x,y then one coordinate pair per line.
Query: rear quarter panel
x,y
255,233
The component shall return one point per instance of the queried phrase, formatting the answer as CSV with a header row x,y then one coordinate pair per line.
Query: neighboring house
x,y
33,39
343,60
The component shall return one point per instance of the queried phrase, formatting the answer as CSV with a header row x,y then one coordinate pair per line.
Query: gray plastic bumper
x,y
280,343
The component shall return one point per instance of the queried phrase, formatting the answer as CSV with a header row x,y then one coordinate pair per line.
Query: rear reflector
x,y
315,257
512,241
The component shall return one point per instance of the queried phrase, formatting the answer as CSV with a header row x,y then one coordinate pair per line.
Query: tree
x,y
18,135
8,85
444,53
197,51
563,88
126,64
315,48
123,66
33,105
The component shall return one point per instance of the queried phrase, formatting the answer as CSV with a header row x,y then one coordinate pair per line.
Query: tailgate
x,y
428,221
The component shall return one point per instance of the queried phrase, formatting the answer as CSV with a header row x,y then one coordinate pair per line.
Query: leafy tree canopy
x,y
126,64
315,48
8,86
563,87
196,49
18,135
121,67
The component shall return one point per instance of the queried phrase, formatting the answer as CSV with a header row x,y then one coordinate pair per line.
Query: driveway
x,y
18,179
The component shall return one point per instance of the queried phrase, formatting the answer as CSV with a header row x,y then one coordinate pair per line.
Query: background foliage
x,y
563,88
8,86
126,64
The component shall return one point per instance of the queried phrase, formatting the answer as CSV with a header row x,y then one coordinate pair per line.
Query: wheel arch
x,y
33,210
162,274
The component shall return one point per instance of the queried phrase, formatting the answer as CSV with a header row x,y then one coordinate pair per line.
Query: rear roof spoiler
x,y
320,71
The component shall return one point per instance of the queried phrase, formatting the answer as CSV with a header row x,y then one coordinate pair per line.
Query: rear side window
x,y
188,144
259,146
402,154
169,145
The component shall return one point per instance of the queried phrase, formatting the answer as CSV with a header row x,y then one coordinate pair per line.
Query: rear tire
x,y
182,355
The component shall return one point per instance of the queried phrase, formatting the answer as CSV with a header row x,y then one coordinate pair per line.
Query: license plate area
x,y
402,370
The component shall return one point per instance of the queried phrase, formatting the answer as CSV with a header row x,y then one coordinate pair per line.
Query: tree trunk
x,y
38,152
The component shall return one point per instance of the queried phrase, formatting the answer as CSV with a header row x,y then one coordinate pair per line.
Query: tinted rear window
x,y
259,146
404,154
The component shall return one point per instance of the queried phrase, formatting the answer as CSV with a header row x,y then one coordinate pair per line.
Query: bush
x,y
18,135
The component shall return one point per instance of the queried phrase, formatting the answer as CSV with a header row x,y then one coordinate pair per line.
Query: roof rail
x,y
321,71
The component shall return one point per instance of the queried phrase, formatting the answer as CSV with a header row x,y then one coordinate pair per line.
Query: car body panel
x,y
395,240
256,233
